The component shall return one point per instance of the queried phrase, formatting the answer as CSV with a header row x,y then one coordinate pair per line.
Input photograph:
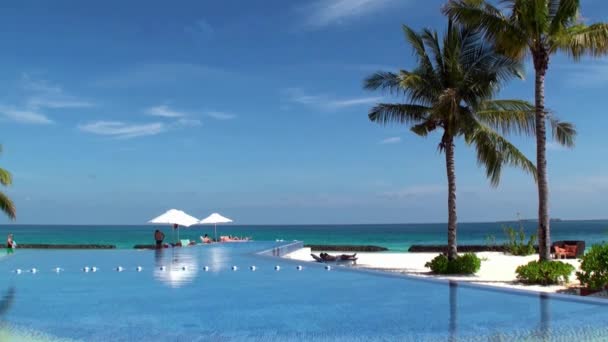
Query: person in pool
x,y
205,239
159,237
10,243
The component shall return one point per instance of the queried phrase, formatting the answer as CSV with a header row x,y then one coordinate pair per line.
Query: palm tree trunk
x,y
541,63
448,145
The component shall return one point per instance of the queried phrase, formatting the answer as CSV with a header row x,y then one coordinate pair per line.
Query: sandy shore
x,y
497,269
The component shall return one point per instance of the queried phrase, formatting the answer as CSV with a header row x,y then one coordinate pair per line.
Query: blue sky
x,y
112,112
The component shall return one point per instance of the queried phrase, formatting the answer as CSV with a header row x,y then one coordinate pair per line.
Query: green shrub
x,y
464,264
544,272
594,268
516,244
439,264
490,241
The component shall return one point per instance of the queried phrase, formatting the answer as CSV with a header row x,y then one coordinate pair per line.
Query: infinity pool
x,y
187,302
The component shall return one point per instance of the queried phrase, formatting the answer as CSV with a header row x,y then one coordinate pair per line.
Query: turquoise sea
x,y
396,237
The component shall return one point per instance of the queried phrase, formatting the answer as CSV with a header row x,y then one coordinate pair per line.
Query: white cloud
x,y
24,116
54,103
43,94
164,111
415,191
188,122
588,73
162,74
354,102
329,12
123,130
297,95
391,140
220,115
34,96
39,86
588,184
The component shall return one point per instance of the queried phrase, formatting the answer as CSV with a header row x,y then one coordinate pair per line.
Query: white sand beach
x,y
497,269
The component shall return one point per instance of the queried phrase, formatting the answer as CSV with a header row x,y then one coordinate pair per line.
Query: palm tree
x,y
6,204
538,28
450,90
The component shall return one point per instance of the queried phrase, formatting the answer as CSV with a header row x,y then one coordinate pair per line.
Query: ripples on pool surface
x,y
184,302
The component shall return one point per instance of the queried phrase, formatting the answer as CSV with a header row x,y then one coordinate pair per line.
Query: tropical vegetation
x,y
6,204
594,268
451,91
467,263
539,29
516,242
544,272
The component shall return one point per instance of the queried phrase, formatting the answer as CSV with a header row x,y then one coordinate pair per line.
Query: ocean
x,y
395,237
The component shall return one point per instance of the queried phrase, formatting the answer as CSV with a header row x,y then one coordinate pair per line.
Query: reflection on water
x,y
219,258
175,267
7,301
5,304
546,329
545,317
453,325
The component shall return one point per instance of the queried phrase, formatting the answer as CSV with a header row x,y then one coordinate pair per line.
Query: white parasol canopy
x,y
214,219
175,217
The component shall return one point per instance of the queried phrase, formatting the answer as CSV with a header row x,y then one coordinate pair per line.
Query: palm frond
x,y
480,15
580,40
453,92
564,133
384,81
410,114
5,177
417,43
431,40
508,116
7,206
494,151
423,129
562,14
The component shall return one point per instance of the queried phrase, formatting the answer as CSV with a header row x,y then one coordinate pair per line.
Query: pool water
x,y
186,302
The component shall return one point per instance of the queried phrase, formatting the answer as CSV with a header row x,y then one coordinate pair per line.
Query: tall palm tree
x,y
450,90
537,28
6,204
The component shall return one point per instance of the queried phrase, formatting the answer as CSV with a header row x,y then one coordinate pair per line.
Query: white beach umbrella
x,y
214,219
176,218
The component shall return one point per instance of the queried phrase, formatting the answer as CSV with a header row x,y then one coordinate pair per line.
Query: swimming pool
x,y
186,302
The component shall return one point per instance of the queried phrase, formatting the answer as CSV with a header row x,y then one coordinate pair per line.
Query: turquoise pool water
x,y
186,302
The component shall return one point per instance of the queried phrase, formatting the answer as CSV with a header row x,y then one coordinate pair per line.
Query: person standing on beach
x,y
159,237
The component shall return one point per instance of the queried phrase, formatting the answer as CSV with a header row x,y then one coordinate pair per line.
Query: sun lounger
x,y
568,249
346,259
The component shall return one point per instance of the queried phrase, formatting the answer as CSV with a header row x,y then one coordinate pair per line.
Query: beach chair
x,y
351,260
568,249
185,242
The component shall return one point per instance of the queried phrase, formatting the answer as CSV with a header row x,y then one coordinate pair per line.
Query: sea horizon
x,y
394,237
317,224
